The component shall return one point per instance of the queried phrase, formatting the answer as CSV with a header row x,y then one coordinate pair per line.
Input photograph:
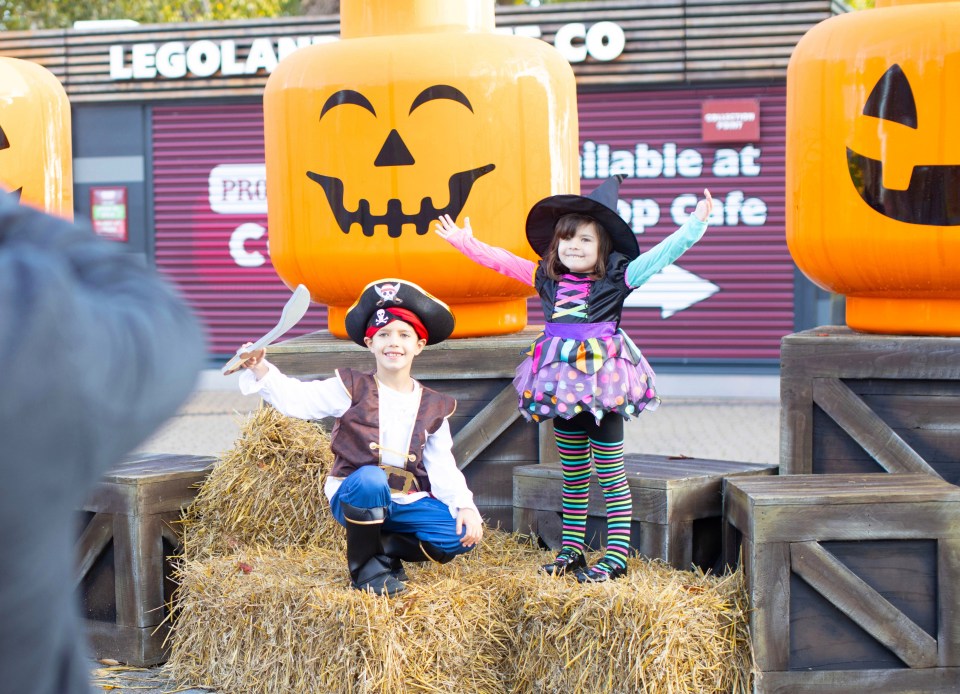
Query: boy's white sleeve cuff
x,y
249,383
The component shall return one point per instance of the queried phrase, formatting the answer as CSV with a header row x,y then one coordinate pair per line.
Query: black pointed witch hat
x,y
601,204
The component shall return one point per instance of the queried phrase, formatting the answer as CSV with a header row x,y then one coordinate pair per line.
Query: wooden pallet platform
x,y
852,579
677,506
128,534
859,403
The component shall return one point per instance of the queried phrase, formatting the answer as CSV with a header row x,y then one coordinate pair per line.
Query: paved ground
x,y
701,421
737,428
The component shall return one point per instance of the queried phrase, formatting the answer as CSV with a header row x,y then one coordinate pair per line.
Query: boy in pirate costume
x,y
394,485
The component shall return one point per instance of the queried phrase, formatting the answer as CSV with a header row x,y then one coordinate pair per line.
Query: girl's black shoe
x,y
568,559
601,572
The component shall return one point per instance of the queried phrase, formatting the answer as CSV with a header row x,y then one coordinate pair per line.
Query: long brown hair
x,y
564,229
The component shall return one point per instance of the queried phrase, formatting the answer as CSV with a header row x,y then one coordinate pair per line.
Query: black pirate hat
x,y
390,293
601,204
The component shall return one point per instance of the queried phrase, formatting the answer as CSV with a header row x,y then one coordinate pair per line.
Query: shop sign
x,y
730,120
108,212
602,41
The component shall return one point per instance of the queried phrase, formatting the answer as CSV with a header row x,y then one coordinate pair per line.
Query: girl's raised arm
x,y
493,257
667,251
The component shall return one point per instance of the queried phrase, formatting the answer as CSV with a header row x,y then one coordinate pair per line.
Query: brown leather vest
x,y
356,434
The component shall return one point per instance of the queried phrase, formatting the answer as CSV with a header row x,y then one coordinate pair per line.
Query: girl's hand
x,y
704,207
471,524
446,226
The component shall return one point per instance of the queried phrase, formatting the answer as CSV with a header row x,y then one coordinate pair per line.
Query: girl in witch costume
x,y
583,371
394,484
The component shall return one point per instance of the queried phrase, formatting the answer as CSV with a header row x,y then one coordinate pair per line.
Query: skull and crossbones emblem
x,y
387,293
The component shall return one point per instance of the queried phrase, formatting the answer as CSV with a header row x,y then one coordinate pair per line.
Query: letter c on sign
x,y
603,41
564,42
238,239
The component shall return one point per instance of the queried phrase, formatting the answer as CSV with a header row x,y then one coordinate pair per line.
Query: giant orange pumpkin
x,y
873,164
419,110
36,161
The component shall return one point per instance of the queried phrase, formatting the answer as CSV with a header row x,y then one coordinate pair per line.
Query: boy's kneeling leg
x,y
370,567
407,547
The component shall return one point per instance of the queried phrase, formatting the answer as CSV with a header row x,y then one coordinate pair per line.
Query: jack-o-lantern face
x,y
395,153
932,193
873,164
370,139
35,153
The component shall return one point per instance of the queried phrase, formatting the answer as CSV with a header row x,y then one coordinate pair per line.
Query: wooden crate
x,y
677,506
127,537
858,403
490,438
852,579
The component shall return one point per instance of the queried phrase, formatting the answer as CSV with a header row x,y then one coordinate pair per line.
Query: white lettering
x,y
605,41
287,45
563,41
238,239
118,71
228,59
141,56
203,58
644,213
171,61
261,57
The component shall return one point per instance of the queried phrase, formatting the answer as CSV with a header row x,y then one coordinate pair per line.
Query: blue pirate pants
x,y
428,519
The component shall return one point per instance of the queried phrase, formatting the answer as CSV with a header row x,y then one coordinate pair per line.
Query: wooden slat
x,y
866,428
92,542
768,565
485,427
927,681
948,588
864,605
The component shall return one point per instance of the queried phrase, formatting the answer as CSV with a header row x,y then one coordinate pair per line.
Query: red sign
x,y
730,120
108,212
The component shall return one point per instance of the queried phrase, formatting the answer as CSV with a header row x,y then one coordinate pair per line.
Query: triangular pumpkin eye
x,y
4,142
892,99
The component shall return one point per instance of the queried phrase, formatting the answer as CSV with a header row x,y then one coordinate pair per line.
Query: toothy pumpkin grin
x,y
929,199
460,185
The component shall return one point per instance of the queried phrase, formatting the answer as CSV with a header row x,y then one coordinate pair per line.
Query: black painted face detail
x,y
933,196
5,144
395,152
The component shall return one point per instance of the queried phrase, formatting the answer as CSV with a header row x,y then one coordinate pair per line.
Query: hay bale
x,y
267,490
265,604
267,620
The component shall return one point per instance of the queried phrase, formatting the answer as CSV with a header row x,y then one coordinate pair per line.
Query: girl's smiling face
x,y
579,253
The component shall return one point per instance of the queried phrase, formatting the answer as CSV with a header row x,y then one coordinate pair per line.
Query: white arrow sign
x,y
671,290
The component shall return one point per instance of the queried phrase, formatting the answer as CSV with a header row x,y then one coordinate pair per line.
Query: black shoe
x,y
397,571
377,577
568,559
601,572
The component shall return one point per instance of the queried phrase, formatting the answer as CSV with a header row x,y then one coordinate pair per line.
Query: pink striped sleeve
x,y
493,257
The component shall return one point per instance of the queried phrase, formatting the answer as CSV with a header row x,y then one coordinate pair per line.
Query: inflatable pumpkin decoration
x,y
873,164
420,109
36,163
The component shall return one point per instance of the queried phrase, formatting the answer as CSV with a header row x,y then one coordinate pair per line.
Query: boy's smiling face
x,y
394,346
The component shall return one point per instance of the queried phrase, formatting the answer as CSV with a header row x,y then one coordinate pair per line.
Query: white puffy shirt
x,y
398,413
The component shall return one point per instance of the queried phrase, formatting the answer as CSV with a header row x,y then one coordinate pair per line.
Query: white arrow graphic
x,y
671,290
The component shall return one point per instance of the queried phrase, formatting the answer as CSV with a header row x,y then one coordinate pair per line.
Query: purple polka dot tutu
x,y
562,378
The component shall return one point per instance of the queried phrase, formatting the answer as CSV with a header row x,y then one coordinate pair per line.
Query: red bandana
x,y
384,316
